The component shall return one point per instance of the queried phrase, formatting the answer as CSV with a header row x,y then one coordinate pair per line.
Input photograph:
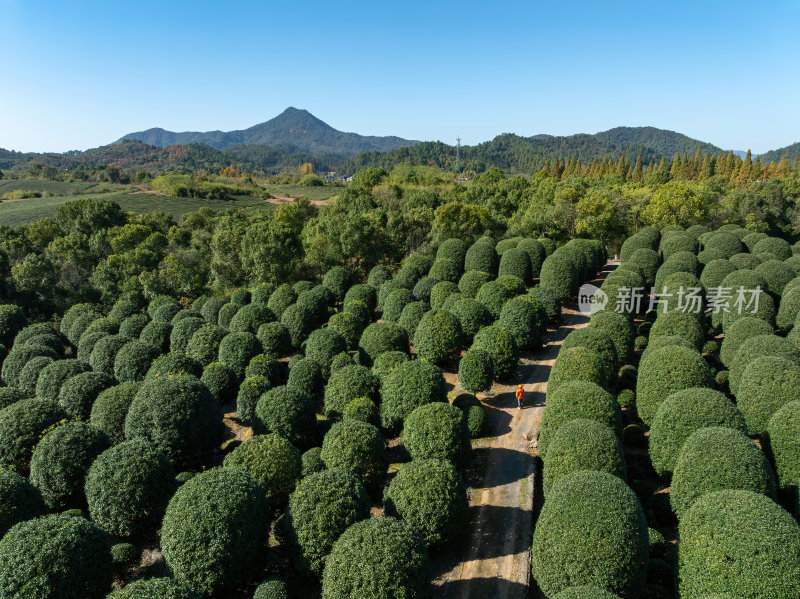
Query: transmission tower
x,y
458,154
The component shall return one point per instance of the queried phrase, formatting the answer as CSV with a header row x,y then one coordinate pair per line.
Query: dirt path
x,y
494,560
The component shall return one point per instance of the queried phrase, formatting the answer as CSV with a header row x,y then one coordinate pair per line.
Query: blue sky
x,y
81,74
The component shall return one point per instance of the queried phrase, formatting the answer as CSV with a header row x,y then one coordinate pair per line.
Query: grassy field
x,y
303,191
19,212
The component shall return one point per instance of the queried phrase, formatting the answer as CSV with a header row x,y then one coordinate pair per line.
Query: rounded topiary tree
x,y
283,297
182,332
648,261
288,412
19,500
237,349
226,314
476,370
358,449
788,310
714,459
724,242
536,254
574,400
174,363
275,339
681,414
737,542
178,414
395,302
516,262
272,462
757,347
157,333
21,424
410,385
347,384
664,371
362,292
766,384
783,437
776,274
438,337
215,530
323,345
132,327
679,324
39,332
559,274
261,293
635,243
591,530
378,275
429,495
522,320
221,381
306,375
619,329
29,375
582,444
312,461
473,411
422,290
471,281
445,270
471,315
52,376
411,316
210,309
576,363
599,342
59,556
441,292
773,245
250,390
348,325
363,410
321,508
110,409
128,488
438,430
493,295
133,360
337,279
499,343
742,330
154,588
380,337
550,301
250,317
482,257
60,462
392,562
388,361
204,344
452,249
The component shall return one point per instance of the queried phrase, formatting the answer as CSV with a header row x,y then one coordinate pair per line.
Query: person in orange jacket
x,y
520,395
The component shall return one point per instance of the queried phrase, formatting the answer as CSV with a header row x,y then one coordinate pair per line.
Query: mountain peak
x,y
294,126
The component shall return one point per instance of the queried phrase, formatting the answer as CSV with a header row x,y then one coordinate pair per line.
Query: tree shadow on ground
x,y
482,588
513,465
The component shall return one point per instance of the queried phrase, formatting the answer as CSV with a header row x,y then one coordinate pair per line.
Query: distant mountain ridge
x,y
517,154
293,126
792,152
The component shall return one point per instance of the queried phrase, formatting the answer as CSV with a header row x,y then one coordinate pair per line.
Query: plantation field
x,y
19,212
56,188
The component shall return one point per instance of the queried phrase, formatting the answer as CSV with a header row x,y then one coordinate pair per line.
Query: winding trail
x,y
494,559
